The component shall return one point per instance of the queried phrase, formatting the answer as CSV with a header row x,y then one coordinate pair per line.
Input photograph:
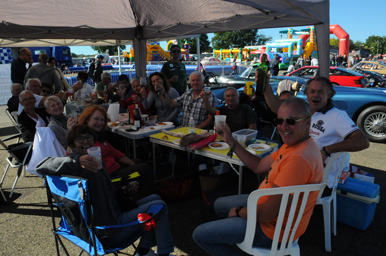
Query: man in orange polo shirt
x,y
297,162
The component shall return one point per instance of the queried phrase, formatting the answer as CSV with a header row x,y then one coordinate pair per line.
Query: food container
x,y
356,203
248,134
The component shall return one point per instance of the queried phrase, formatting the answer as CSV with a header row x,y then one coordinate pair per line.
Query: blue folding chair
x,y
71,197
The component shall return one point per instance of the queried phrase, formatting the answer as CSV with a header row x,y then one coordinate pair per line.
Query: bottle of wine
x,y
262,74
137,117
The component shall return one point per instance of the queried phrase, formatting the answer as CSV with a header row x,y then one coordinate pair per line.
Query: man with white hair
x,y
45,73
192,103
13,102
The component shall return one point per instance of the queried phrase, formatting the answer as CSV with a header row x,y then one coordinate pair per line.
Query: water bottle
x,y
191,125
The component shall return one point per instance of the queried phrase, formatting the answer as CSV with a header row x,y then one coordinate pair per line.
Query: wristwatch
x,y
325,153
238,210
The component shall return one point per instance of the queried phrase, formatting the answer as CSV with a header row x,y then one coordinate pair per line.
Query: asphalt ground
x,y
25,222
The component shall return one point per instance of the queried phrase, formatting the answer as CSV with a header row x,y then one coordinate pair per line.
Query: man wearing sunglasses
x,y
175,71
297,162
332,129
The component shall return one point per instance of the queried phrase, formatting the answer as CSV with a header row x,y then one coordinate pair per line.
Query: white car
x,y
210,61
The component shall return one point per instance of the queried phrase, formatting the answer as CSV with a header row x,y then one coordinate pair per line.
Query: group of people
x,y
311,132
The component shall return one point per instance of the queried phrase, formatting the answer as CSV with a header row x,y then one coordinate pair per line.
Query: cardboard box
x,y
356,203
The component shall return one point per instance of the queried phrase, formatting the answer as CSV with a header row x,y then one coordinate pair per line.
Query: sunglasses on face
x,y
289,121
82,138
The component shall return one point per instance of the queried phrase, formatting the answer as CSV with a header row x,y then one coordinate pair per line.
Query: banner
x,y
5,83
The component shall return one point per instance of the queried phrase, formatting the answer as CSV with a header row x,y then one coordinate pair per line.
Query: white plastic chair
x,y
329,214
299,195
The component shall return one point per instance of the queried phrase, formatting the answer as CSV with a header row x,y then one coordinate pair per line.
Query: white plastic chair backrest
x,y
295,192
45,145
330,164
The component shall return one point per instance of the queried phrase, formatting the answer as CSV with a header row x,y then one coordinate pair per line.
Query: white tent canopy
x,y
99,22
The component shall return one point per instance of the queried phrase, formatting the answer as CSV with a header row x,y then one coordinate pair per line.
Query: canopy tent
x,y
84,22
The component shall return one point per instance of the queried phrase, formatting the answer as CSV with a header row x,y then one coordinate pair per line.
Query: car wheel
x,y
372,121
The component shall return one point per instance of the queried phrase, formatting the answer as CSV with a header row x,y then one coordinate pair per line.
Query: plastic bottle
x,y
191,125
262,74
137,117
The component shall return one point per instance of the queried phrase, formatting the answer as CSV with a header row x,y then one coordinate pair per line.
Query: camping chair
x,y
287,246
329,217
71,197
13,117
19,156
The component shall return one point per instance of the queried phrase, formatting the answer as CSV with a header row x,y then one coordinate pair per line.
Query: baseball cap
x,y
100,56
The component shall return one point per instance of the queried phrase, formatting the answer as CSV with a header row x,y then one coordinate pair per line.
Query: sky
x,y
360,19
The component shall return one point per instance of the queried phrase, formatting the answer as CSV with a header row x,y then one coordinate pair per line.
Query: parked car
x,y
210,61
338,76
376,66
375,79
365,106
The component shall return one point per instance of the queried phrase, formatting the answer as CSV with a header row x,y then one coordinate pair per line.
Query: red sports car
x,y
338,76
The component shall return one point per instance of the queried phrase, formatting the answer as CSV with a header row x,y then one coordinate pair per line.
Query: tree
x,y
112,50
334,43
376,44
238,39
204,44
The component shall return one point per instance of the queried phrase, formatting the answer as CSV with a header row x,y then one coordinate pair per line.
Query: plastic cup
x,y
96,153
249,87
220,121
207,89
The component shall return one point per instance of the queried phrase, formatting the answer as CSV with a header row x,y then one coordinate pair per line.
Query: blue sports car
x,y
367,107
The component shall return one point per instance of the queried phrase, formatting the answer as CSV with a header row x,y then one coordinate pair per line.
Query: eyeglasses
x,y
290,121
46,91
30,98
82,138
176,51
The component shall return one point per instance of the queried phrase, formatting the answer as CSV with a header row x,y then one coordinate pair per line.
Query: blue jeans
x,y
160,236
217,237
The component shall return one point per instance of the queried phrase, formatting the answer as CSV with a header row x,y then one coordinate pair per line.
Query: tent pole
x,y
198,54
119,59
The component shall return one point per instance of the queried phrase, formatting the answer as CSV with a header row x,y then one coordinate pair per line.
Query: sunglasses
x,y
176,51
82,138
290,121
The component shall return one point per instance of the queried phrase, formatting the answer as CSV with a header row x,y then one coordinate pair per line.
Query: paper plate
x,y
259,147
164,123
151,128
250,150
216,145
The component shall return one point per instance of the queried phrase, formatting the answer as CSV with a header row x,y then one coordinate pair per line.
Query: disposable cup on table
x,y
96,153
220,121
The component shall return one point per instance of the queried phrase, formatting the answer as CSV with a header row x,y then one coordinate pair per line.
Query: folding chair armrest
x,y
22,146
12,137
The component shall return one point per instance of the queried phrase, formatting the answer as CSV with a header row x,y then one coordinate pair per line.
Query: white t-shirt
x,y
330,128
38,99
84,92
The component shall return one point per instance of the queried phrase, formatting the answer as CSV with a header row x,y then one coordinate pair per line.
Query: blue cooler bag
x,y
356,203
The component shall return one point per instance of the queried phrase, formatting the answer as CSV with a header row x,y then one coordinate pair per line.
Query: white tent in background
x,y
84,22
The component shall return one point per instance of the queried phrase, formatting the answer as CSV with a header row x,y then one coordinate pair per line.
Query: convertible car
x,y
367,107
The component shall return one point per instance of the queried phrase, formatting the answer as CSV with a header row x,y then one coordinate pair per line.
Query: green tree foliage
x,y
112,50
376,44
334,43
204,44
238,39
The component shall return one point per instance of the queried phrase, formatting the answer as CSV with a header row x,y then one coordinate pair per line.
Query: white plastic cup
x,y
241,139
96,153
207,89
220,121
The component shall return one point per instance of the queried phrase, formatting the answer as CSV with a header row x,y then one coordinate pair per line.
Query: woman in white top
x,y
86,88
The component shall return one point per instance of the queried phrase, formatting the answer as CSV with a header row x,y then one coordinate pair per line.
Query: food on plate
x,y
113,124
165,137
174,134
162,123
258,148
152,128
216,145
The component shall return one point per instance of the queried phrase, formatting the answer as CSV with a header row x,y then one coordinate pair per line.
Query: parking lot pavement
x,y
25,224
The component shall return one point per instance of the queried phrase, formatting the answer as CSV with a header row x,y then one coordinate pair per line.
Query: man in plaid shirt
x,y
192,104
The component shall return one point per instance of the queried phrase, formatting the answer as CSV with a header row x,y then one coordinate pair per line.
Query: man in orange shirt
x,y
297,162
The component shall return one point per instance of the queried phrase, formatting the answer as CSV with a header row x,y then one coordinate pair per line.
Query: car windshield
x,y
249,72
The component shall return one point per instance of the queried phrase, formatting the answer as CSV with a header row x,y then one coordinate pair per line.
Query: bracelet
x,y
324,152
238,210
230,152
